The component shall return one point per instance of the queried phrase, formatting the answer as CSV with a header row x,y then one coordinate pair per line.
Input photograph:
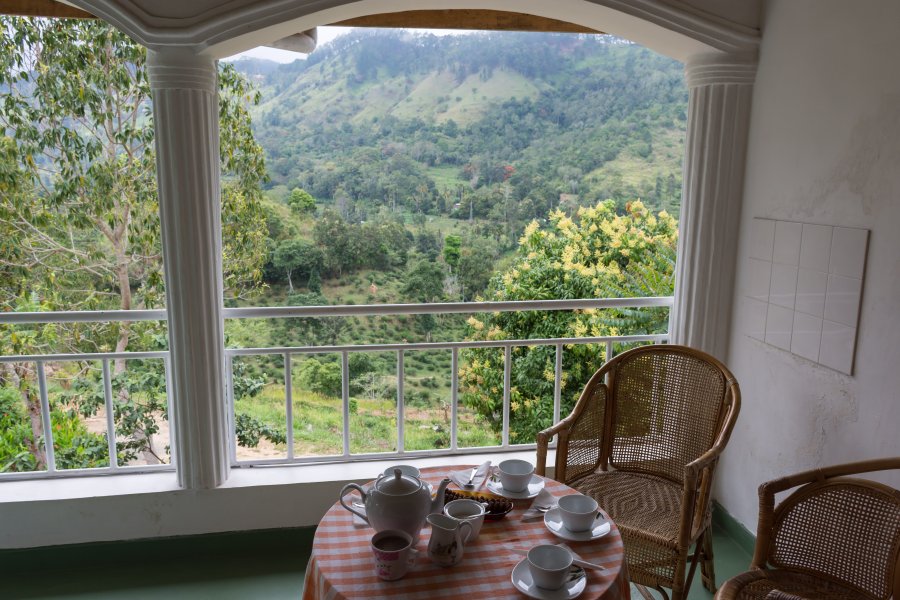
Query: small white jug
x,y
445,547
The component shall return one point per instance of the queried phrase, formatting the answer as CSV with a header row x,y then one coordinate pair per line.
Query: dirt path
x,y
159,441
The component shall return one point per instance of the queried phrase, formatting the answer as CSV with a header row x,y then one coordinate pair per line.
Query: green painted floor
x,y
263,565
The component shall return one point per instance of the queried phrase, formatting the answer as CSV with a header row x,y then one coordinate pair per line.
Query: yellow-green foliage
x,y
597,254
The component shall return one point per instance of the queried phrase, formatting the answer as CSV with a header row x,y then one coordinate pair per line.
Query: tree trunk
x,y
124,303
33,406
290,283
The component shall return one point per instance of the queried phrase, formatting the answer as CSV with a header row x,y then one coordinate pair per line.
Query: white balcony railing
x,y
288,353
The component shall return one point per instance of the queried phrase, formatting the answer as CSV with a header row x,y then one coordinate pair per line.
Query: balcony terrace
x,y
820,146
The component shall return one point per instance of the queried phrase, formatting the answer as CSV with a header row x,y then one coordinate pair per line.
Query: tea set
x,y
398,504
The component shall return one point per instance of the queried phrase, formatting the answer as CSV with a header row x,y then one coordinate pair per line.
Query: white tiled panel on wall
x,y
804,289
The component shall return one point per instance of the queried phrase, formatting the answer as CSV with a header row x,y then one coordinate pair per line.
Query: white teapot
x,y
397,501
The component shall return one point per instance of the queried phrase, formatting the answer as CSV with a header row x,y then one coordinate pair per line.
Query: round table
x,y
342,567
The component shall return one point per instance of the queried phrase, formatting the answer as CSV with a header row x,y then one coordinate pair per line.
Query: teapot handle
x,y
354,486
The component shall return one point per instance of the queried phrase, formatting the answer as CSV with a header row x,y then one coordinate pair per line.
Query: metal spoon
x,y
469,483
575,561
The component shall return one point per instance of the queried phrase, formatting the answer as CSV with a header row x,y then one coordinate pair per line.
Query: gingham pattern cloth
x,y
342,567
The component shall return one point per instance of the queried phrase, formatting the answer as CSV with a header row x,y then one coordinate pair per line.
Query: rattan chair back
x,y
842,530
644,439
669,404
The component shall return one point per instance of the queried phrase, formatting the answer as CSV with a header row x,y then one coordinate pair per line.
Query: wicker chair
x,y
834,538
644,440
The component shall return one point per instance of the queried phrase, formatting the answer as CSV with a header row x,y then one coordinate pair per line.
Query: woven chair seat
x,y
760,585
644,506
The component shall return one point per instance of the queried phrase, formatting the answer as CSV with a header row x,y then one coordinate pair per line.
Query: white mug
x,y
515,474
549,566
394,553
467,510
578,512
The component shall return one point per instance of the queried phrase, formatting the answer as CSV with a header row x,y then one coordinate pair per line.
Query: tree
x,y
475,266
298,256
428,244
424,282
333,235
452,245
301,202
599,254
311,330
82,218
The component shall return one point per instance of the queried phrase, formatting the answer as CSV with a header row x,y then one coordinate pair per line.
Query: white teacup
x,y
578,512
515,474
467,510
394,553
407,470
549,566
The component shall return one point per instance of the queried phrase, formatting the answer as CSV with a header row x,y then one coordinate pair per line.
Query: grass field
x,y
317,423
445,177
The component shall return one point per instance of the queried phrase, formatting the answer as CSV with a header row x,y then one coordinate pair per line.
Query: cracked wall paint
x,y
824,148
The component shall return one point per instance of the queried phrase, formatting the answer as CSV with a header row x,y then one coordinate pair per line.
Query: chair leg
x,y
707,567
694,558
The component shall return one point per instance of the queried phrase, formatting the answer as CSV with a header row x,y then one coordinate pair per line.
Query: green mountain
x,y
501,126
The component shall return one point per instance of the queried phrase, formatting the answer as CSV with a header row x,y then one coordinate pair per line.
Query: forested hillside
x,y
385,168
499,126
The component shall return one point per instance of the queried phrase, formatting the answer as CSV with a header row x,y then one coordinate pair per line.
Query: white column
x,y
186,120
715,151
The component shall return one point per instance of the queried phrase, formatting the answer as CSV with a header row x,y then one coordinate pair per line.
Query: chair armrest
x,y
697,493
543,443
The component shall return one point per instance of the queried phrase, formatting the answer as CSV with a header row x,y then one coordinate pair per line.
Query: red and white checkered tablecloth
x,y
342,567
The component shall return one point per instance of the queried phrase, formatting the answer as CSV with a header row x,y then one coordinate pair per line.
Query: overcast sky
x,y
325,35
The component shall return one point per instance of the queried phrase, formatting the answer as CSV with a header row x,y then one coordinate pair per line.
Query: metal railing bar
x,y
345,400
609,350
507,371
83,356
263,312
442,345
90,472
232,418
45,417
454,399
173,441
83,316
289,404
357,310
557,383
110,421
400,401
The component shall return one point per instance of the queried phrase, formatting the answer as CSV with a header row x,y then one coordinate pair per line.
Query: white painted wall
x,y
824,148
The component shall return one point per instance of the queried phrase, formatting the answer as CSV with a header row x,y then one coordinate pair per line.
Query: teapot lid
x,y
398,484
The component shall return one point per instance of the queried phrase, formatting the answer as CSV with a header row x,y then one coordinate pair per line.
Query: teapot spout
x,y
437,505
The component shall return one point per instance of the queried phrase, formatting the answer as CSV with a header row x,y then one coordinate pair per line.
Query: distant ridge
x,y
589,116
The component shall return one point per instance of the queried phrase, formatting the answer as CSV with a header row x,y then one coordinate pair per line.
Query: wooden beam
x,y
42,8
493,20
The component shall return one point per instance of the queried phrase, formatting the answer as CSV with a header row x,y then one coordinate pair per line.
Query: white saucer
x,y
521,579
534,487
553,521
